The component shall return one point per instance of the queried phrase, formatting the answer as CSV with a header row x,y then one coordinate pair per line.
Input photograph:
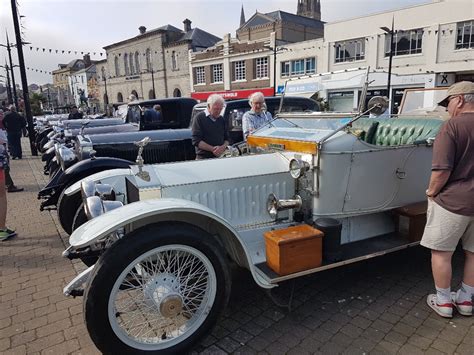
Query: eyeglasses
x,y
448,100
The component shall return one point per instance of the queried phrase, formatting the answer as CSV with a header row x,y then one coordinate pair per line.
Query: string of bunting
x,y
39,70
62,51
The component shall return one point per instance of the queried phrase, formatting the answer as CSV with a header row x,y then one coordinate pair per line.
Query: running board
x,y
352,253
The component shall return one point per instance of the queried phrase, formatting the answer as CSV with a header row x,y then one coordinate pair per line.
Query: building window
x,y
137,63
285,69
404,42
465,35
200,75
132,69
174,60
148,59
297,67
310,65
125,63
217,76
239,70
261,68
304,66
348,51
119,97
117,67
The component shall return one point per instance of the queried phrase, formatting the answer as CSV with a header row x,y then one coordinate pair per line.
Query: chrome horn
x,y
144,175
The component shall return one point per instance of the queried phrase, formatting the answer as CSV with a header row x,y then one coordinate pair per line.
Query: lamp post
x,y
9,50
390,32
275,50
24,81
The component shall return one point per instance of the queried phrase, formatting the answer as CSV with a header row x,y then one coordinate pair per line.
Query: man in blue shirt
x,y
153,115
257,116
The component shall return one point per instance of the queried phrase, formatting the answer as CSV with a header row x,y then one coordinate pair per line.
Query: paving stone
x,y
258,343
387,347
444,346
331,348
227,344
310,344
299,351
241,336
396,338
464,349
363,344
382,326
361,322
420,341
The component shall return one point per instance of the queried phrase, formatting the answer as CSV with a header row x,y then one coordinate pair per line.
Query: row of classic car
x,y
116,151
162,237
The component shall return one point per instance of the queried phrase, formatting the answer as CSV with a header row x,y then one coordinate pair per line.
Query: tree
x,y
37,100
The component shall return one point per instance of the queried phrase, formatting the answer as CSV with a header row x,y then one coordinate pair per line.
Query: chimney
x,y
87,60
142,29
187,25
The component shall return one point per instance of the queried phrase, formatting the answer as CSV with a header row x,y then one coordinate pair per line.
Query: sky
x,y
89,25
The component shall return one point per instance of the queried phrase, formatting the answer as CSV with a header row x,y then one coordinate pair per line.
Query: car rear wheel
x,y
158,290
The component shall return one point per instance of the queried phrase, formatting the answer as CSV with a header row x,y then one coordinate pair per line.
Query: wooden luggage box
x,y
293,249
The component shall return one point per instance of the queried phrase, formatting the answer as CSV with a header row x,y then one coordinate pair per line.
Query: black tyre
x,y
157,290
67,207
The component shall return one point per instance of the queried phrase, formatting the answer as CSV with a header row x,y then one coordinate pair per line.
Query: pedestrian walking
x,y
14,124
5,233
450,216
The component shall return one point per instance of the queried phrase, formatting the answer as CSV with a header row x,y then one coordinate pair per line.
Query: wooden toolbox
x,y
293,249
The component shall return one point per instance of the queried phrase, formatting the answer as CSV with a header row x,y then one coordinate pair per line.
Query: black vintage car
x,y
235,109
175,113
170,141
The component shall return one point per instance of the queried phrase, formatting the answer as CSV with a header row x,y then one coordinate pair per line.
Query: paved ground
x,y
373,307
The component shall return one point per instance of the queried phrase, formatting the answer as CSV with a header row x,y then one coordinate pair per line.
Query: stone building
x,y
61,79
236,67
152,64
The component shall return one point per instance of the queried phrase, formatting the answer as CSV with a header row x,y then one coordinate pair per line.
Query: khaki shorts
x,y
444,229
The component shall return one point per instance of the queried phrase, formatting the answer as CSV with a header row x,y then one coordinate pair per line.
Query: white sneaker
x,y
445,310
463,308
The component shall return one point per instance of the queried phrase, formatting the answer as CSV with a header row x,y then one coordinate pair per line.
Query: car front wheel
x,y
157,290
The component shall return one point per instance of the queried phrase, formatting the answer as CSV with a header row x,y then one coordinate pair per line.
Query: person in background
x,y
257,116
450,215
8,180
5,233
153,115
14,124
75,114
209,130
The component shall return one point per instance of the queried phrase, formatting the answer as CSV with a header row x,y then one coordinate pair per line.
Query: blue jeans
x,y
14,144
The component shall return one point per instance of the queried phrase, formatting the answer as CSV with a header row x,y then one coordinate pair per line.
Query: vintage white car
x,y
166,234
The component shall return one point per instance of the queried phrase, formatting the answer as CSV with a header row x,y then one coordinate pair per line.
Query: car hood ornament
x,y
144,175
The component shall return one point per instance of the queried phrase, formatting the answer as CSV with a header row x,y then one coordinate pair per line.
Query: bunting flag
x,y
63,51
39,71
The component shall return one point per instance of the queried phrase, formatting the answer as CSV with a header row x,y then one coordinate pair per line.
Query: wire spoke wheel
x,y
162,297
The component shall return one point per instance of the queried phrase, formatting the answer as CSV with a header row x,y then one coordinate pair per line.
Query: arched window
x,y
177,93
134,92
137,63
117,67
151,94
106,100
174,60
148,59
125,62
119,97
102,71
132,69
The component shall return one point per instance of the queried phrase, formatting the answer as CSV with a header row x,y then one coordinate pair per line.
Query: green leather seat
x,y
397,131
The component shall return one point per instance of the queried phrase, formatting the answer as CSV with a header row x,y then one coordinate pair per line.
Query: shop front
x,y
231,94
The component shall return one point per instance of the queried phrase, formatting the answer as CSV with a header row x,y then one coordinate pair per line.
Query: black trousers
x,y
14,144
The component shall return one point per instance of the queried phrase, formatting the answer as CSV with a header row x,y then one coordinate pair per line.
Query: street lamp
x,y
390,32
275,50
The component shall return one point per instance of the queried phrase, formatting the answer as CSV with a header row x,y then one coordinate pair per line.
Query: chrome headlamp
x,y
103,191
50,134
66,157
94,206
298,167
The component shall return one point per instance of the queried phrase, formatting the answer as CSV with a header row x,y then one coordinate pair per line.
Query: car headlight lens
x,y
298,167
